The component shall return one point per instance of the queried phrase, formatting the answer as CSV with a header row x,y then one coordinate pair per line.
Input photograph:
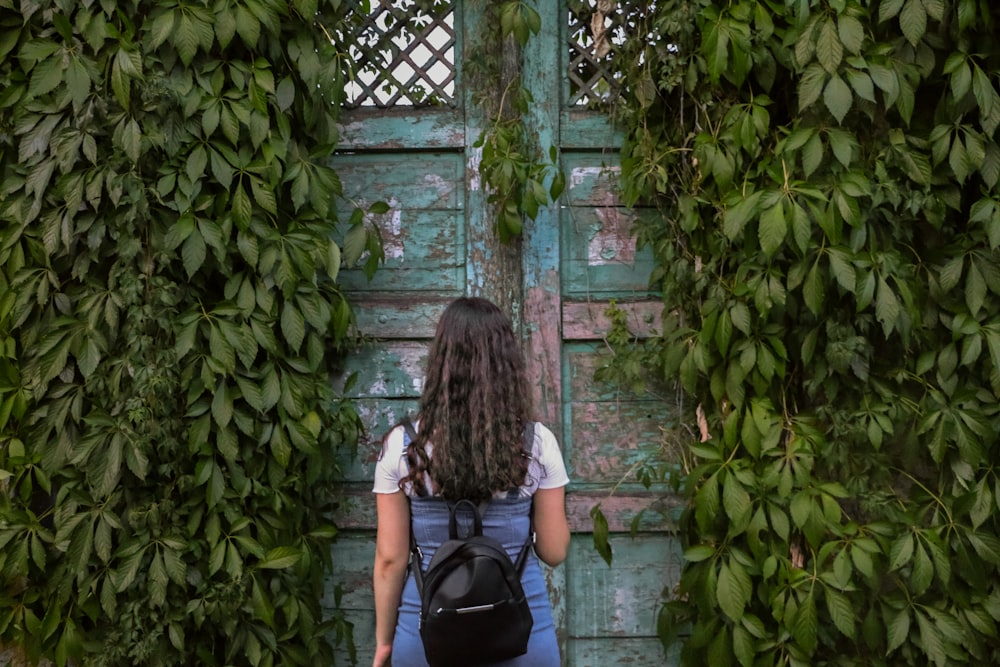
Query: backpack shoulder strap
x,y
528,445
416,556
410,433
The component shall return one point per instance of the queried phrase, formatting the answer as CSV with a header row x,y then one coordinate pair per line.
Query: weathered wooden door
x,y
576,257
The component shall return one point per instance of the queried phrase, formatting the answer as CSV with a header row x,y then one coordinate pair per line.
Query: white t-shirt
x,y
546,470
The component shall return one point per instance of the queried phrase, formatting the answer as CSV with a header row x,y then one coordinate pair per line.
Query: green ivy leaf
x,y
841,611
901,551
829,49
699,553
851,32
805,624
280,558
743,646
736,502
837,97
932,640
601,542
811,86
862,85
812,155
734,589
913,21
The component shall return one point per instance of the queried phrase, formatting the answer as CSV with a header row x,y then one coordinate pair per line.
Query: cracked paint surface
x,y
613,242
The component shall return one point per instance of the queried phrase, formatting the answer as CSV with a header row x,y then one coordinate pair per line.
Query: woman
x,y
470,444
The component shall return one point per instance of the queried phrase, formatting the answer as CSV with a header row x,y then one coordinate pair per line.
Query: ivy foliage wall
x,y
827,180
169,318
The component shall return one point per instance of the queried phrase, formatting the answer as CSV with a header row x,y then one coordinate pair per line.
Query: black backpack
x,y
473,610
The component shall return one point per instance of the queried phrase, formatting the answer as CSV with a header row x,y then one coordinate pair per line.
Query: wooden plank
x,y
363,635
424,251
591,180
657,510
611,440
586,320
600,256
581,363
353,556
621,599
357,508
542,288
393,369
377,417
400,314
585,129
626,652
541,260
402,180
401,128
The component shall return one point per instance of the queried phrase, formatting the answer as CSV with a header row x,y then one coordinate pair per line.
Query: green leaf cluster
x,y
169,319
520,178
828,247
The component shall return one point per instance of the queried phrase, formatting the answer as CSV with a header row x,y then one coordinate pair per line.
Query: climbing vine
x,y
520,177
169,318
828,250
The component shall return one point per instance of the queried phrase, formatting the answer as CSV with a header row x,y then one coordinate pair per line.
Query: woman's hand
x,y
383,654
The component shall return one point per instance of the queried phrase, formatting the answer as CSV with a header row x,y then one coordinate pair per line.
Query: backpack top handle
x,y
477,518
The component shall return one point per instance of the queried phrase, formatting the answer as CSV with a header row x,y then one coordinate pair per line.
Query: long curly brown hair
x,y
474,406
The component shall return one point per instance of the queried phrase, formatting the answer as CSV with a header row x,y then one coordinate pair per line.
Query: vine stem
x,y
936,497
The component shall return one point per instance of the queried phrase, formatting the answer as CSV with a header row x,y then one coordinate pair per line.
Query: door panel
x,y
573,260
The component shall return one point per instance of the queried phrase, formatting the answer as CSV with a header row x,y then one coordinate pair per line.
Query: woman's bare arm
x,y
392,550
551,525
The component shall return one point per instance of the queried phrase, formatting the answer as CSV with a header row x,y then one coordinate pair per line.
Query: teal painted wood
x,y
386,389
588,320
439,245
611,619
393,318
402,129
613,611
581,129
628,509
582,361
378,415
542,294
428,261
390,369
614,433
612,440
600,256
622,652
352,575
492,268
423,233
407,181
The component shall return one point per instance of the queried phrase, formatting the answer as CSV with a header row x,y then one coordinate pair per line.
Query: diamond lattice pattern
x,y
404,56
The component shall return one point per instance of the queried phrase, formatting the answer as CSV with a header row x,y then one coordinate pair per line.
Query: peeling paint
x,y
475,157
581,174
391,229
613,243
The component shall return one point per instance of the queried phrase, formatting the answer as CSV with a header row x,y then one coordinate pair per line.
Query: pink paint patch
x,y
613,243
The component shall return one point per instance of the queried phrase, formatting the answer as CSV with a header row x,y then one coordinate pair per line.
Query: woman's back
x,y
474,408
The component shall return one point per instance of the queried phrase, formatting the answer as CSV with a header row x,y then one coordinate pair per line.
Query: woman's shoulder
x,y
397,437
394,445
544,439
547,468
